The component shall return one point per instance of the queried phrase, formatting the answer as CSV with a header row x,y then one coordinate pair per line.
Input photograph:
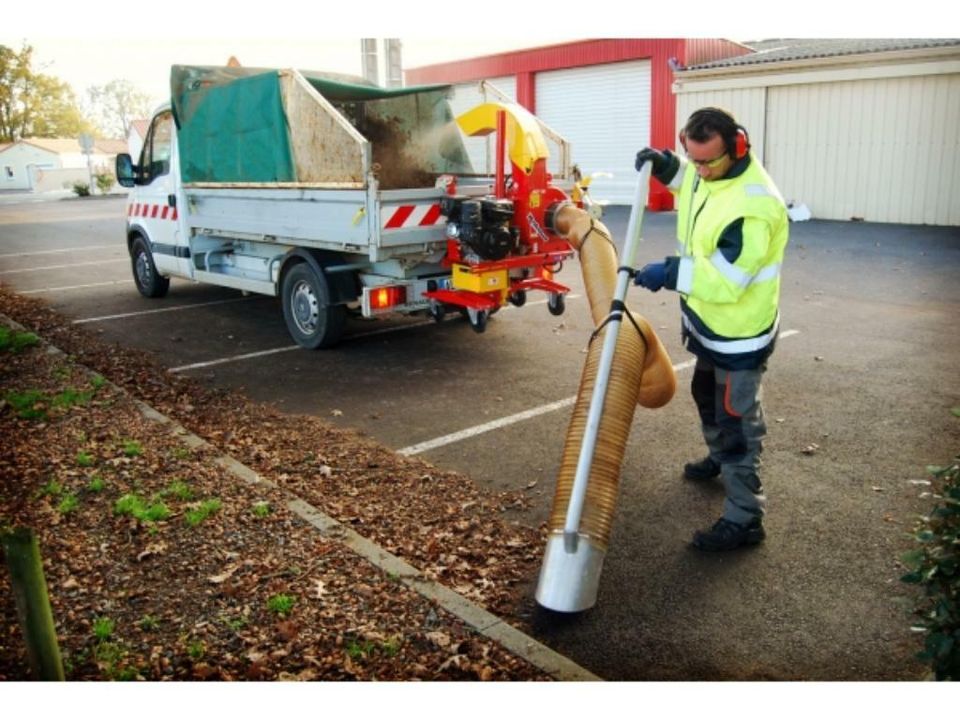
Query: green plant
x,y
391,646
15,341
281,604
28,405
96,484
200,513
68,504
51,488
85,459
359,649
81,189
935,566
196,649
103,628
180,490
98,381
234,623
262,509
104,181
71,397
181,453
133,505
132,448
148,623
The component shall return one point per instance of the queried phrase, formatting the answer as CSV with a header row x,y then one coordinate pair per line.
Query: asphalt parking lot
x,y
858,398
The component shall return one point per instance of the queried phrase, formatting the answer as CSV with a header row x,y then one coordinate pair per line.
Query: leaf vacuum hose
x,y
635,369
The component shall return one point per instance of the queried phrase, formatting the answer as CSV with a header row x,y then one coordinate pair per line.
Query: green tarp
x,y
232,127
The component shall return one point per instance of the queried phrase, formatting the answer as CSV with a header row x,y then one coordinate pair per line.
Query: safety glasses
x,y
711,164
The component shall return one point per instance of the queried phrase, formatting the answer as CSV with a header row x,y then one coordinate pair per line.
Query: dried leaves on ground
x,y
162,565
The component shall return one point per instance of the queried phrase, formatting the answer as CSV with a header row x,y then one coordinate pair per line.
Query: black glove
x,y
657,159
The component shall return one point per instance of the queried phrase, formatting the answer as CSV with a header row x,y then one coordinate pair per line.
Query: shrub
x,y
104,182
81,189
935,566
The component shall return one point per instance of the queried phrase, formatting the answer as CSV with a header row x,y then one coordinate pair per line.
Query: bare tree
x,y
117,104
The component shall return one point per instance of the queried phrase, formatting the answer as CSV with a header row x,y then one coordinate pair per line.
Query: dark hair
x,y
710,121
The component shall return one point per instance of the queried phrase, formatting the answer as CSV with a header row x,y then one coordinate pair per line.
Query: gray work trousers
x,y
733,427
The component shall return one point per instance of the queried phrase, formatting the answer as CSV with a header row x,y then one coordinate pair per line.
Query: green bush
x,y
935,566
104,182
81,189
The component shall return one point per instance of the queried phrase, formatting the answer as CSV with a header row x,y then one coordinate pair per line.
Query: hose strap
x,y
593,228
617,310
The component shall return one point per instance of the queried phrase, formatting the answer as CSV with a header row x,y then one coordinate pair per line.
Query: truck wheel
x,y
149,282
556,304
311,320
519,298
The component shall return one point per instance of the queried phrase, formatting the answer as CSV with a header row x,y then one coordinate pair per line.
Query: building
x,y
607,97
41,164
853,129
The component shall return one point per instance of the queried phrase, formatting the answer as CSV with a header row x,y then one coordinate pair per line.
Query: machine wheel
x,y
478,319
556,304
437,311
149,282
518,299
311,320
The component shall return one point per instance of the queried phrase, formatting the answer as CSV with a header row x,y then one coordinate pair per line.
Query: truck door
x,y
155,208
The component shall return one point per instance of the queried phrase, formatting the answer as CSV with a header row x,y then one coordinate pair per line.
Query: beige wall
x,y
876,141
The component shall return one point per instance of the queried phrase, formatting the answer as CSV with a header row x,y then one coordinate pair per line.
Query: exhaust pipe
x,y
626,365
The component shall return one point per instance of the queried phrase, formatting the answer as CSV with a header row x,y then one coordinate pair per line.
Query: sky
x,y
88,44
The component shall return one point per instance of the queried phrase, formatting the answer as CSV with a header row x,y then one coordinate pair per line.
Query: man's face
x,y
710,157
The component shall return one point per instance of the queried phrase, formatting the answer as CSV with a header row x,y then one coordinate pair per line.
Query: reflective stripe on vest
x,y
730,271
734,347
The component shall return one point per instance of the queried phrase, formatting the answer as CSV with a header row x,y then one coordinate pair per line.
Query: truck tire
x,y
149,282
311,320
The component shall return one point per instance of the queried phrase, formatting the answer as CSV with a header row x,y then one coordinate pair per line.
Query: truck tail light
x,y
383,298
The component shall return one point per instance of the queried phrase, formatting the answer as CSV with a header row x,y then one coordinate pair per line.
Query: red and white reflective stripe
x,y
165,212
407,216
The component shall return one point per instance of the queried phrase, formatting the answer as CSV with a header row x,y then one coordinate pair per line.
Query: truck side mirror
x,y
126,171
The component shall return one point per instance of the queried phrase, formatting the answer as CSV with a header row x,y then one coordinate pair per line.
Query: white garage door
x,y
467,96
604,112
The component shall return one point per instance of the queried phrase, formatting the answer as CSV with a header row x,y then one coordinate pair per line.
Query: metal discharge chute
x,y
626,365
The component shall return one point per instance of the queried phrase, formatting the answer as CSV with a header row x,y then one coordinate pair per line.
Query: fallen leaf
x,y
226,575
336,413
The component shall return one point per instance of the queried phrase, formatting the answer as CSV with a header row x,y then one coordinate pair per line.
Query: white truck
x,y
321,189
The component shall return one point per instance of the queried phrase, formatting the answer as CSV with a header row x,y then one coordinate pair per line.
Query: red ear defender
x,y
741,144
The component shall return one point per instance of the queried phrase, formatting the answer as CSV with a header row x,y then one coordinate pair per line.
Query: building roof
x,y
782,50
141,126
62,146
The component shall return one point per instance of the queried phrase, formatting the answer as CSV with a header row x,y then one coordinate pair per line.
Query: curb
x,y
485,623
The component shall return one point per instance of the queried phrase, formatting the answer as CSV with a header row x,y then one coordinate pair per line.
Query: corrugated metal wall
x,y
882,149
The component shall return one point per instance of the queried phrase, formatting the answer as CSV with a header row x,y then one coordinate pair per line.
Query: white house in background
x,y
41,164
136,136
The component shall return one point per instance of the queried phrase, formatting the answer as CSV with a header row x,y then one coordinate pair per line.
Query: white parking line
x,y
72,287
158,310
274,351
62,250
261,353
521,416
62,267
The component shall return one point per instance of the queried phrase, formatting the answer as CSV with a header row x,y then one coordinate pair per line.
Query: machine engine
x,y
483,227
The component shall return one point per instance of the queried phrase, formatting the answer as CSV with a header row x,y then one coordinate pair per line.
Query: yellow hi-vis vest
x,y
729,295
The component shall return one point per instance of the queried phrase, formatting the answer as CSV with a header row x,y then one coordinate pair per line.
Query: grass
x,y
196,649
180,490
85,459
262,509
98,381
52,488
68,504
357,649
132,448
181,453
29,405
103,628
70,397
281,604
135,506
15,341
198,514
96,484
148,623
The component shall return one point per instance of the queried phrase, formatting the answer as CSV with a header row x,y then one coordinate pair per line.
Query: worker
x,y
732,231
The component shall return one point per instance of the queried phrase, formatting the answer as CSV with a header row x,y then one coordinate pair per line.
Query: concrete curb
x,y
485,623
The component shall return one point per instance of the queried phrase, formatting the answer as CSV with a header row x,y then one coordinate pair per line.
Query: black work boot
x,y
727,535
706,469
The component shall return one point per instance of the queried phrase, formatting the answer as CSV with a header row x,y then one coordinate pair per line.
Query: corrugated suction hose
x,y
641,373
